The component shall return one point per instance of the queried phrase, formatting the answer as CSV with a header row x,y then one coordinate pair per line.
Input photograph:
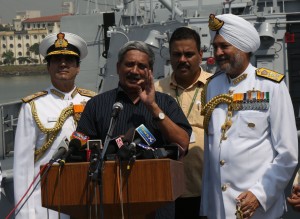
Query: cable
x,y
120,185
34,190
14,209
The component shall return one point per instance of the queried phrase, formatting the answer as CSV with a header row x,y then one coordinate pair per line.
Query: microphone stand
x,y
97,174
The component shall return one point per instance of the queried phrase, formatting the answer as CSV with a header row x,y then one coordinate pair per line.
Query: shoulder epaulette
x,y
85,92
269,74
33,96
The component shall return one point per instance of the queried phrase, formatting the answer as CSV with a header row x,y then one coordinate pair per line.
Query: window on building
x,y
27,37
28,25
3,46
38,25
11,37
11,46
27,45
19,45
33,25
44,25
35,36
28,53
19,37
3,37
19,53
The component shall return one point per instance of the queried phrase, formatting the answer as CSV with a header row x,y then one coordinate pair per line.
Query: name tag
x,y
52,119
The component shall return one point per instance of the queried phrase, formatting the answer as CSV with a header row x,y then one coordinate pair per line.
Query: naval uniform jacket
x,y
29,138
259,154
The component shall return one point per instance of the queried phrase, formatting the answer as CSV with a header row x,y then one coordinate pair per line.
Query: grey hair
x,y
137,45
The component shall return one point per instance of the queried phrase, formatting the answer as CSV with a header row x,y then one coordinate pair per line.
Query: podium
x,y
145,186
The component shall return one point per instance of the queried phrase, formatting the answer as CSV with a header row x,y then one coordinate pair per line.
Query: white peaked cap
x,y
71,44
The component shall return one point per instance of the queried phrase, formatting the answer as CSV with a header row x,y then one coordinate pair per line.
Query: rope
x,y
50,132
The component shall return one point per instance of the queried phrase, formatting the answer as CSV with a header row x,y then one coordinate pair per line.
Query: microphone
x,y
117,107
81,137
113,147
169,151
74,145
61,150
145,134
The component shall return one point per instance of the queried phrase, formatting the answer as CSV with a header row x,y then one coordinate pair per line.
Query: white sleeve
x,y
284,139
25,142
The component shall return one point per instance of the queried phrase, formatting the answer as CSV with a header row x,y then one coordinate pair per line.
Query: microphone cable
x,y
120,185
120,164
48,166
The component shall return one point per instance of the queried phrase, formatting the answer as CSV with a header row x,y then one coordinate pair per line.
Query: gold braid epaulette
x,y
207,110
51,132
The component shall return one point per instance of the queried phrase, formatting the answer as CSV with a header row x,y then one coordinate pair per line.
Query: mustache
x,y
183,65
222,59
131,76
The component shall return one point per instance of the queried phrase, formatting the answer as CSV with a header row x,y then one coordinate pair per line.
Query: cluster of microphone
x,y
136,143
80,149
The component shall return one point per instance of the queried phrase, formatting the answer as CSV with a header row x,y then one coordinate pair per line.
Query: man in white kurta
x,y
41,111
251,146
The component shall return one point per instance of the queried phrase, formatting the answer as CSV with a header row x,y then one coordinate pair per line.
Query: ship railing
x,y
8,123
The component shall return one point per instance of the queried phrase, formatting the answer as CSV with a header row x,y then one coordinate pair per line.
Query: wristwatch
x,y
161,116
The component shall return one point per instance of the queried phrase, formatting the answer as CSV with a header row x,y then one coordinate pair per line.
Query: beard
x,y
235,63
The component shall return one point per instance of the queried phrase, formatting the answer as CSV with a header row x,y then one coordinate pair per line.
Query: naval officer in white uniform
x,y
47,117
251,145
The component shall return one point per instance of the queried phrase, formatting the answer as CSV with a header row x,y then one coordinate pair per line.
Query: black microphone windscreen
x,y
75,144
129,135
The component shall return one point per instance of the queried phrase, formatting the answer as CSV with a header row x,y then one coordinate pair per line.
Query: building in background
x,y
20,44
19,40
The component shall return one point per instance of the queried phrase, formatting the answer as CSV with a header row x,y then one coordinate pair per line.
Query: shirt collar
x,y
64,95
201,80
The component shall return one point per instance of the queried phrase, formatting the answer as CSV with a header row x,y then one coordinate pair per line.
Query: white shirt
x,y
260,158
29,138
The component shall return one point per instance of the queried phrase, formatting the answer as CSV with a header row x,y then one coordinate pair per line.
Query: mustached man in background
x,y
185,85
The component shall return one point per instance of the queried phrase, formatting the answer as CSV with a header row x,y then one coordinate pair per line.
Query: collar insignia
x,y
239,79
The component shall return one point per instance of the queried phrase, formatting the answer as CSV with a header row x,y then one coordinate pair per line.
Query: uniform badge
x,y
78,109
214,23
61,42
251,100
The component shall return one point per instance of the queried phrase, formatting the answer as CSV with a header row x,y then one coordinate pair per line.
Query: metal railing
x,y
8,123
